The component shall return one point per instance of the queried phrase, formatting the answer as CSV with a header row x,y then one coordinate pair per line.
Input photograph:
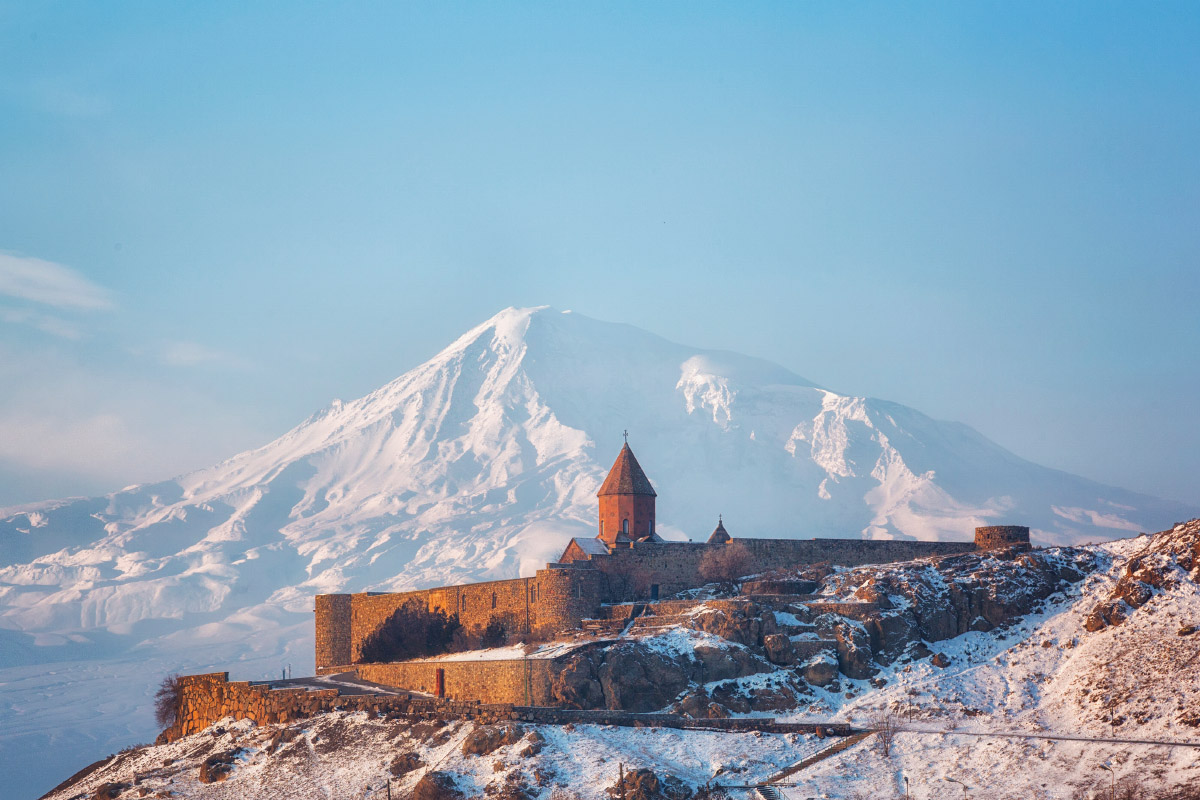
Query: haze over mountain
x,y
480,463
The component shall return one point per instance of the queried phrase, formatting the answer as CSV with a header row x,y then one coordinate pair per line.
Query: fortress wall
x,y
204,699
476,604
553,600
517,681
675,566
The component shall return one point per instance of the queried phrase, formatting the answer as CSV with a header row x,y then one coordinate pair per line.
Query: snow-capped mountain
x,y
480,463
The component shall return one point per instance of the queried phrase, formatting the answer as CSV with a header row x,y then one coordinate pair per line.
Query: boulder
x,y
436,785
643,784
724,663
940,660
217,767
780,649
405,763
486,739
820,670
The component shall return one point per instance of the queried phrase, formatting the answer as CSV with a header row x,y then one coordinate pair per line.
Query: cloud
x,y
50,284
192,354
46,323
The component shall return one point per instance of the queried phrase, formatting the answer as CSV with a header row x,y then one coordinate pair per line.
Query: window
x,y
493,599
625,525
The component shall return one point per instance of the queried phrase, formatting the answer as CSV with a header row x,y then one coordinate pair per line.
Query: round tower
x,y
994,537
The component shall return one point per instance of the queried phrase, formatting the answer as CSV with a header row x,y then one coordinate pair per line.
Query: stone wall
x,y
523,682
674,566
205,699
556,599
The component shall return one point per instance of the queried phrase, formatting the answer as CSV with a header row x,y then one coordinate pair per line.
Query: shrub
x,y
166,701
412,631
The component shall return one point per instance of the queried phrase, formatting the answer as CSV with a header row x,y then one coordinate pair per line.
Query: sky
x,y
215,218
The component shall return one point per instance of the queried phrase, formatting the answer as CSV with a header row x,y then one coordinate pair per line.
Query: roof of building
x,y
719,535
592,546
626,477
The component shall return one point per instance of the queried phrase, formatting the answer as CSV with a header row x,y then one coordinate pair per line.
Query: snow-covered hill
x,y
1018,706
480,463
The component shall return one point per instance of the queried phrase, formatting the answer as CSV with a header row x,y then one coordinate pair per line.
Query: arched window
x,y
625,525
493,599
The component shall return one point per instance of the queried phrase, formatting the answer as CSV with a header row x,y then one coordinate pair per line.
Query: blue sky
x,y
215,219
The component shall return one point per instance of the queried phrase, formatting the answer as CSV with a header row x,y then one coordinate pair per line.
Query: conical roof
x,y
626,477
719,535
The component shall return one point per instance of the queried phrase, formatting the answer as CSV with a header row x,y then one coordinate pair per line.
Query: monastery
x,y
627,562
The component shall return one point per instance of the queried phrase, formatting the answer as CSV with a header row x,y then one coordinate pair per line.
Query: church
x,y
626,562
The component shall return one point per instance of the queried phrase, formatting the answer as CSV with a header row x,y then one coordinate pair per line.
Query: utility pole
x,y
621,779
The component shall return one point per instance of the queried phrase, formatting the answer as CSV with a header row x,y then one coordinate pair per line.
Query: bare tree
x,y
724,564
166,701
885,726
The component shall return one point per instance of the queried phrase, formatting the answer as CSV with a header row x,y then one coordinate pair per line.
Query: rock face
x,y
576,685
635,678
1167,558
936,599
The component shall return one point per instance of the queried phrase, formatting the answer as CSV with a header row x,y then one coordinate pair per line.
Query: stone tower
x,y
626,502
994,537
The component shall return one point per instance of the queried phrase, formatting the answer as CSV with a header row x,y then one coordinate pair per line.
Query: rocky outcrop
x,y
941,598
1167,557
643,784
739,621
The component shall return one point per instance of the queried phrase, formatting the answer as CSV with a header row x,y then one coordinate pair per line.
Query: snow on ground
x,y
1037,679
510,652
348,755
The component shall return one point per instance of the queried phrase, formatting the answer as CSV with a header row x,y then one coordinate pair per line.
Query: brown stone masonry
x,y
205,699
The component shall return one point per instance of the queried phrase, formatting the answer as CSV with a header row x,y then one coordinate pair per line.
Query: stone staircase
x,y
837,747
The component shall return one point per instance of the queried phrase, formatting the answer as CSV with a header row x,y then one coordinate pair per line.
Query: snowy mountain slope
x,y
482,463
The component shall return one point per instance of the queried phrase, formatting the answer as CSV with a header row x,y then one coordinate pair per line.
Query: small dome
x,y
719,535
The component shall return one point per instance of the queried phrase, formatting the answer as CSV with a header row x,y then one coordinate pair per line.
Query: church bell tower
x,y
626,502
